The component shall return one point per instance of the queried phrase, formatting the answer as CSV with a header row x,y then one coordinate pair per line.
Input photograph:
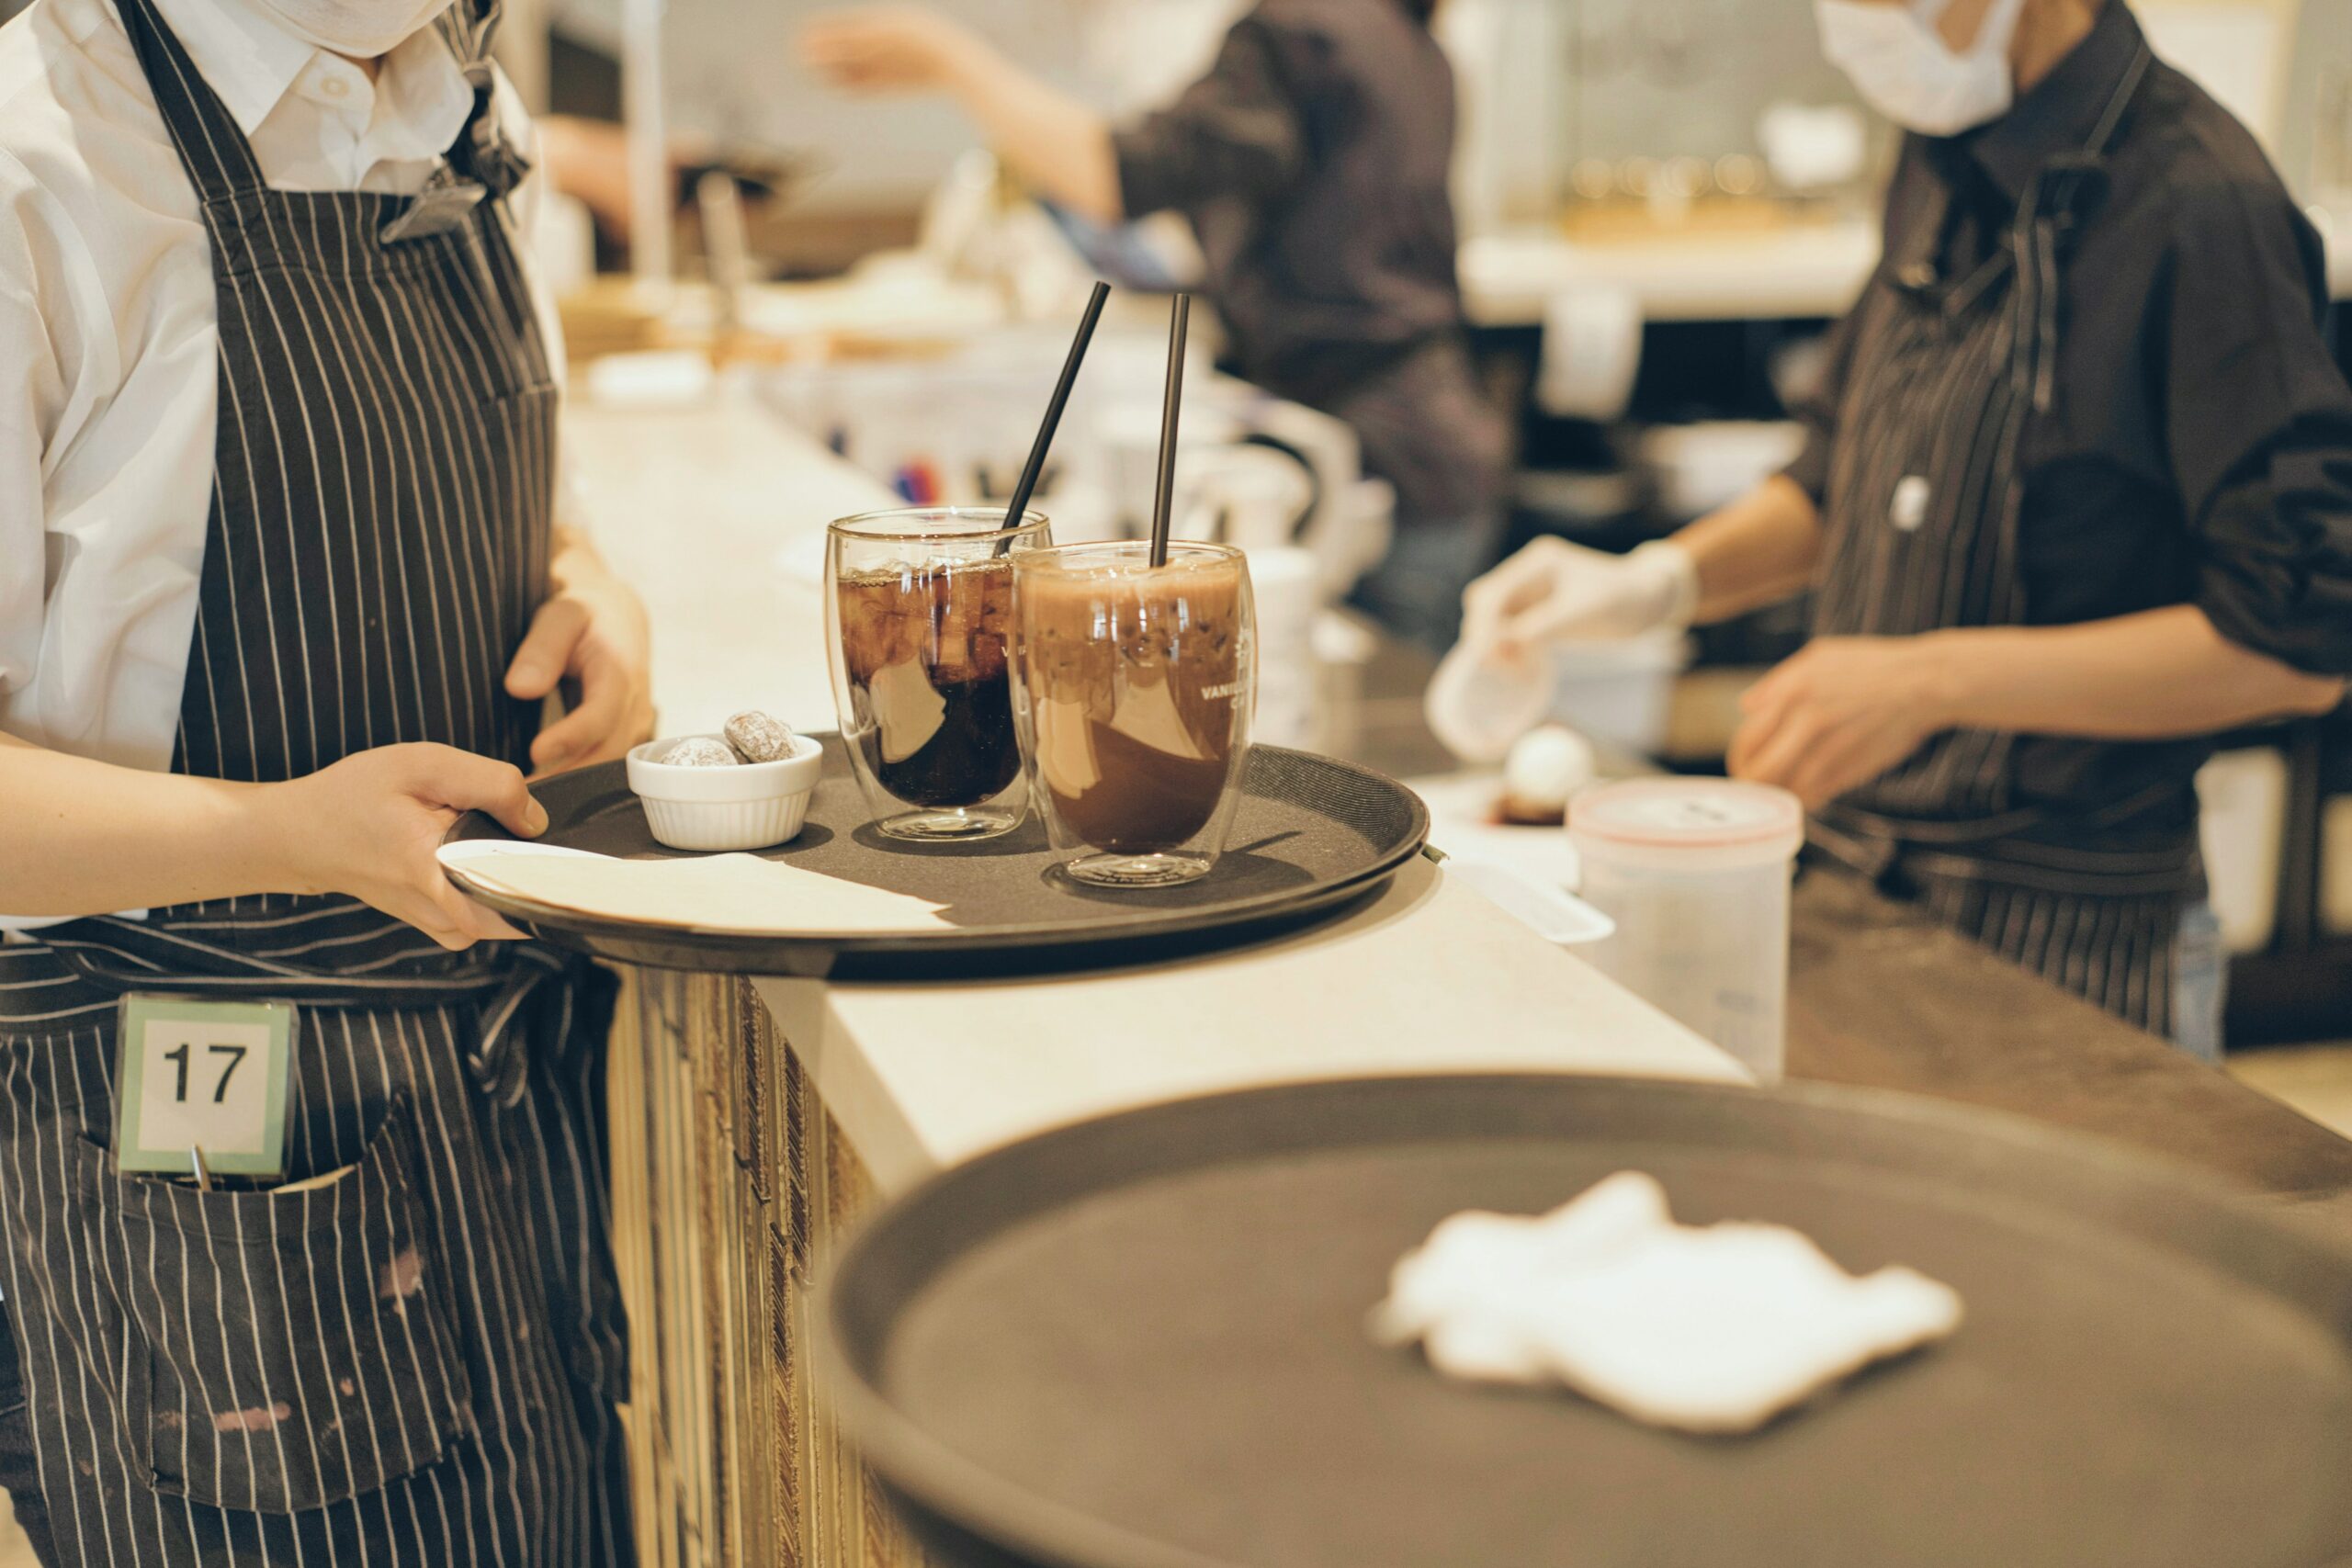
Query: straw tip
x,y
1170,407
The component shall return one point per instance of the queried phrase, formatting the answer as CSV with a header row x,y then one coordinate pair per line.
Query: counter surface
x,y
1881,995
1428,978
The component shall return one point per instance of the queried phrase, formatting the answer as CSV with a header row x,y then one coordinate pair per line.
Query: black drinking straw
x,y
1036,464
1164,501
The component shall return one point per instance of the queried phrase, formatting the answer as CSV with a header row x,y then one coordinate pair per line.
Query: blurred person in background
x,y
1312,163
2076,497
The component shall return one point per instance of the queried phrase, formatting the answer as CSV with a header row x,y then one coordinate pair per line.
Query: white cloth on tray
x,y
1713,1328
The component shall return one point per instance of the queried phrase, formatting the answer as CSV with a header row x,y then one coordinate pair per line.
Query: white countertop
x,y
1430,978
694,506
1802,270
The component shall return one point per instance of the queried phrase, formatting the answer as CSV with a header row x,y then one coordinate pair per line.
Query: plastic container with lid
x,y
1695,872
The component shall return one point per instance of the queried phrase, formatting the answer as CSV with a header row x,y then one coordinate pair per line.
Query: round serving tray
x,y
1311,833
1140,1342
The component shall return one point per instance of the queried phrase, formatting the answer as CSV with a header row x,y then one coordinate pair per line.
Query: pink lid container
x,y
1688,825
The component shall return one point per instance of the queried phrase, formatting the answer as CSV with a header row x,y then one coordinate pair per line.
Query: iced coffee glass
x,y
918,613
1132,686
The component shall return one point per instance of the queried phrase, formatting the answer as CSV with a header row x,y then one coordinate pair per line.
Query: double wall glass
x,y
1132,686
919,613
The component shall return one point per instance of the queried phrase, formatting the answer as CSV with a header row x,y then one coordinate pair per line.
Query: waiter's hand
x,y
368,826
1556,592
887,49
592,630
1840,712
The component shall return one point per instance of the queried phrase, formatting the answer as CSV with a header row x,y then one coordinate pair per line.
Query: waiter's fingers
x,y
1770,691
1832,765
431,903
468,782
1777,686
469,922
1775,756
1767,705
547,648
1755,732
452,920
599,726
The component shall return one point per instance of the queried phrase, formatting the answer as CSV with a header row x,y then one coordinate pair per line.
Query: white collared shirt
x,y
108,330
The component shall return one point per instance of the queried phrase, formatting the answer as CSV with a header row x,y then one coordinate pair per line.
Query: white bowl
x,y
748,807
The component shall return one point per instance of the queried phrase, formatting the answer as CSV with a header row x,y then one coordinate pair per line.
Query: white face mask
x,y
363,29
1902,68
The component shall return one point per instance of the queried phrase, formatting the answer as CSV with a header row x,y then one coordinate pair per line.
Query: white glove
x,y
1554,592
1485,696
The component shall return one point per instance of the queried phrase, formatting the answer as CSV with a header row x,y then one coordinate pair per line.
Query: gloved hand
x,y
1554,592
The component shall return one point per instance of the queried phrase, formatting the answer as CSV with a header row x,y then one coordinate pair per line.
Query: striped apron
x,y
415,1362
1922,512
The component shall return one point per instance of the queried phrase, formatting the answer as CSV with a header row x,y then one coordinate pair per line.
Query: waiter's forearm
x,y
2155,675
1758,550
82,838
1058,146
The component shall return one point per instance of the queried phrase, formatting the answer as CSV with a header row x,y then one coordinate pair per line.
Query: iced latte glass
x,y
918,612
1132,686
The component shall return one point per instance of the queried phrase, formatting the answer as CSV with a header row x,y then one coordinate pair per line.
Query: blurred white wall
x,y
1571,79
1547,83
732,72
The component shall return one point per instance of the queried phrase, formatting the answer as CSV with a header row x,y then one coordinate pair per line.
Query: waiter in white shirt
x,y
281,595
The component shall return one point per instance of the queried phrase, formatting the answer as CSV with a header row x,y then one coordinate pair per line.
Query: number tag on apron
x,y
196,1074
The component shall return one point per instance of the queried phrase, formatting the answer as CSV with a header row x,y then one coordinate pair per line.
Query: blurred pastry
x,y
1545,767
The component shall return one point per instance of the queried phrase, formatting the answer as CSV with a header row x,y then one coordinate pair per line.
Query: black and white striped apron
x,y
417,1362
1921,510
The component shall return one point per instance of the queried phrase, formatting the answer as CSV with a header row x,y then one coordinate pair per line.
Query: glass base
x,y
1139,871
950,824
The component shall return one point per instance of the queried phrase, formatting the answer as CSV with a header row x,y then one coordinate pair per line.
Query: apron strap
x,y
2054,202
134,956
219,159
482,151
123,956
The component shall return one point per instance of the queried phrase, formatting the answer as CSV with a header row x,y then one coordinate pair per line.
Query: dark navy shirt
x,y
2200,445
1312,162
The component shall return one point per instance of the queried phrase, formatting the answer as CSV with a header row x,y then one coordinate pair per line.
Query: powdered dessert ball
x,y
702,752
757,737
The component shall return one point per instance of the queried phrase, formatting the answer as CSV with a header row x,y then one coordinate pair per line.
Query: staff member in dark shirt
x,y
1312,163
2077,496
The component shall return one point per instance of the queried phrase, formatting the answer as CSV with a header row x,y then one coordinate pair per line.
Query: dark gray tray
x,y
1311,834
1139,1343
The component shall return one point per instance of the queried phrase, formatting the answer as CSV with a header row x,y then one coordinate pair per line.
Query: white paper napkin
x,y
734,893
1705,1329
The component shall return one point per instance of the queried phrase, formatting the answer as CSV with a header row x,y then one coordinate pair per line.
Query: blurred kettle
x,y
1257,492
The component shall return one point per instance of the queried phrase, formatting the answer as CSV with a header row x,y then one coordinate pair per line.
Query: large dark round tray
x,y
1311,833
1139,1343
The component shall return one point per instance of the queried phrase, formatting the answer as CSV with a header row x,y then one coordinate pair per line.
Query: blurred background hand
x,y
888,49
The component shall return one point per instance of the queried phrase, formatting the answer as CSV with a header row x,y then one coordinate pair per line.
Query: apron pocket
x,y
288,1348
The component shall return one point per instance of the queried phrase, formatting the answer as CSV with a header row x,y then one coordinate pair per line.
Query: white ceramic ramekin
x,y
748,807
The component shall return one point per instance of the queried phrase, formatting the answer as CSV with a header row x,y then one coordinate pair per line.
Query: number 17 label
x,y
202,1074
